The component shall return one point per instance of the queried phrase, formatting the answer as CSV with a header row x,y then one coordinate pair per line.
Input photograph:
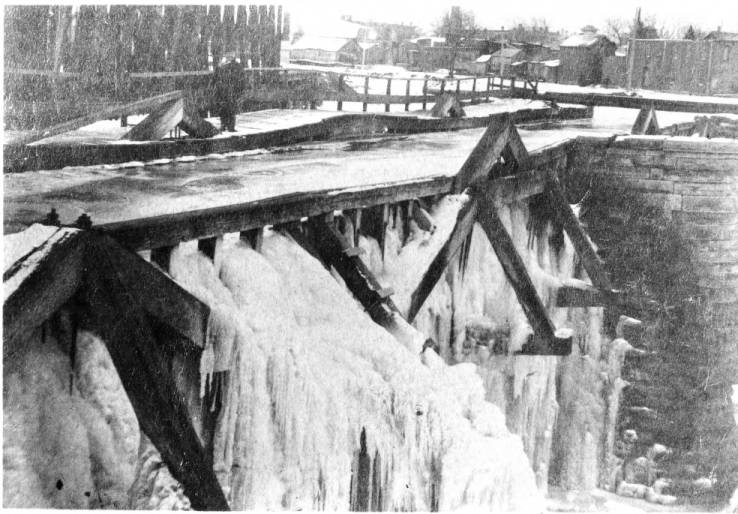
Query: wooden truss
x,y
152,328
646,123
494,172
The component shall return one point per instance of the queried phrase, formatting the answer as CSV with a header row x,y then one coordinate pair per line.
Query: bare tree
x,y
618,29
535,30
456,25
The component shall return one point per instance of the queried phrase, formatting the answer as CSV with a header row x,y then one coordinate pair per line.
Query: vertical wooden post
x,y
489,80
253,237
407,95
161,256
443,86
366,93
425,94
474,90
389,92
458,86
340,92
208,246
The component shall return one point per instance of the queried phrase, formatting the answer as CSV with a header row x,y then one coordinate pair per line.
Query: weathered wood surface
x,y
463,228
40,281
158,123
110,112
167,230
581,294
333,250
544,341
646,123
159,295
119,318
518,187
500,139
565,216
633,102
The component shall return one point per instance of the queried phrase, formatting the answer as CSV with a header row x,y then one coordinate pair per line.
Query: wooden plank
x,y
171,229
545,341
158,123
517,187
585,295
581,294
144,369
485,154
159,295
726,106
565,215
110,112
40,282
332,246
464,225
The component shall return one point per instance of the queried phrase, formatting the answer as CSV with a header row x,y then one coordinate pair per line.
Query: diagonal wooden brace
x,y
545,341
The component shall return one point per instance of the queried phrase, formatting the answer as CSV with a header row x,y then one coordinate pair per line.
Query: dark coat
x,y
229,84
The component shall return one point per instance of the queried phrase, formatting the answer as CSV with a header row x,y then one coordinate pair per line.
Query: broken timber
x,y
111,112
168,116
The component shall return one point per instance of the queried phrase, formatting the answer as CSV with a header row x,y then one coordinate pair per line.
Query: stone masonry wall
x,y
690,186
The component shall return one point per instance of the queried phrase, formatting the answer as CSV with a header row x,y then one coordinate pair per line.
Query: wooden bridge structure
x,y
92,273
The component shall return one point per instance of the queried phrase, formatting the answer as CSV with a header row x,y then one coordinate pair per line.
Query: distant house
x,y
718,35
502,60
326,50
582,57
483,64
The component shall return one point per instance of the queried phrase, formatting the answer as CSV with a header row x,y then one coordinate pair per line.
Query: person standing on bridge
x,y
229,84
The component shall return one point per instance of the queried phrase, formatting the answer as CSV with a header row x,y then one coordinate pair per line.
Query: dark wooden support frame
x,y
124,300
334,250
646,122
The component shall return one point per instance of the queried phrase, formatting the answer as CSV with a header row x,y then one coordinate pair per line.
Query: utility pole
x,y
631,47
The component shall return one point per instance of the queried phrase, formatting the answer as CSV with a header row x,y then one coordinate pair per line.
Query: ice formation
x,y
563,408
70,436
322,408
311,376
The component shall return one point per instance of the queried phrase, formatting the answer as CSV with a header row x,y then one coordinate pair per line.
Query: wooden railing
x,y
281,85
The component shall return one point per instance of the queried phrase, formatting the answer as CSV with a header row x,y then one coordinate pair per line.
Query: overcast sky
x,y
569,15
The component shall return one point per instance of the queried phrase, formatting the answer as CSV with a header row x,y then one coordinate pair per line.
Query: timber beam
x,y
463,228
147,104
116,314
565,216
501,139
334,250
581,294
40,282
545,341
712,106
